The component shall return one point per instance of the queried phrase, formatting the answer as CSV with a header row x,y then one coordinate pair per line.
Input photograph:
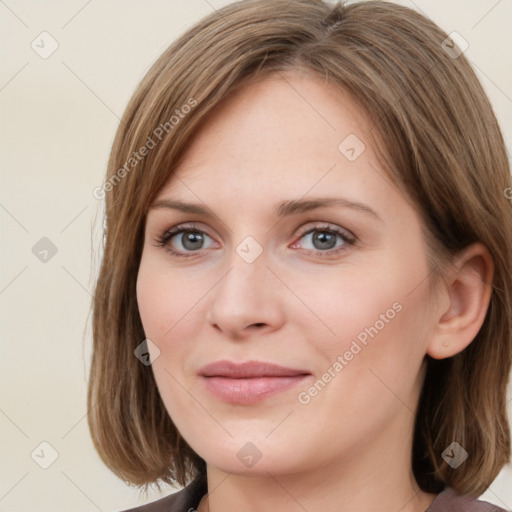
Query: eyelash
x,y
162,240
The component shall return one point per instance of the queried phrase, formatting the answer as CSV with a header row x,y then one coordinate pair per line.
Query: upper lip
x,y
249,369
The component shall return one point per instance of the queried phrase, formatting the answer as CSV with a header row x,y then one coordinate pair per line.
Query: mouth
x,y
249,382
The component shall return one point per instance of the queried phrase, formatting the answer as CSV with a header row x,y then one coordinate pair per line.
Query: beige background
x,y
57,120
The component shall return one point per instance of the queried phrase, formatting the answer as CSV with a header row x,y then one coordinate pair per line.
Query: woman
x,y
304,300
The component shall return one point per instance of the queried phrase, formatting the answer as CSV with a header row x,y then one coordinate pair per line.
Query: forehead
x,y
281,140
284,128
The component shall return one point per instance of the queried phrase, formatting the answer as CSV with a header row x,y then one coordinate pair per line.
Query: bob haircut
x,y
439,141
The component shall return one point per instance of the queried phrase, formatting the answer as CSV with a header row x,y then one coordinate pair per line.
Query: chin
x,y
260,457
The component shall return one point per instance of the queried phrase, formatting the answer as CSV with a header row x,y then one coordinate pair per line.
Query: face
x,y
299,258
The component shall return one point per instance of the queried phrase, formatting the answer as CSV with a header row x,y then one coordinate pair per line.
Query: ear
x,y
467,291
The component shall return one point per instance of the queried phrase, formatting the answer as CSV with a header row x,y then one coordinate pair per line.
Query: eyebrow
x,y
282,209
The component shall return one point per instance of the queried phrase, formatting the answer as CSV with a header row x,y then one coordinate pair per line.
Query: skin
x,y
349,447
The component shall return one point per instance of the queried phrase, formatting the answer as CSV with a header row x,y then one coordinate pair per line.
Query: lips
x,y
248,370
249,382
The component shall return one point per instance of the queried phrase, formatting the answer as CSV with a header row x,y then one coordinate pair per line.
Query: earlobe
x,y
468,288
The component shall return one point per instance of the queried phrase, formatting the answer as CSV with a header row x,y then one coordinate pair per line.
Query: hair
x,y
441,144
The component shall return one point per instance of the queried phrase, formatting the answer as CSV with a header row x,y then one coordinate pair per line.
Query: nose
x,y
247,299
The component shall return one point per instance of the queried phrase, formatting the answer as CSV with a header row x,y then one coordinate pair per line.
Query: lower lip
x,y
249,391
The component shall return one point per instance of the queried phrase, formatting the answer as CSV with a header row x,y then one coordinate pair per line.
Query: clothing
x,y
189,497
185,500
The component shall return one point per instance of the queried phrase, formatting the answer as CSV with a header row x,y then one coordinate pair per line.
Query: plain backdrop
x,y
58,116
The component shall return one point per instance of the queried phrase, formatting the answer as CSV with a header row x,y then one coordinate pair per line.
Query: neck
x,y
376,477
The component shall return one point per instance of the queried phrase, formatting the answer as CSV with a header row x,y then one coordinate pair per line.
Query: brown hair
x,y
440,142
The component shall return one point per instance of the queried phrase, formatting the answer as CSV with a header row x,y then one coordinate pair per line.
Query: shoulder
x,y
450,501
185,500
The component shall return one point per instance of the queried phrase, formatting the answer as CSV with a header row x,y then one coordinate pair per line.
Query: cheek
x,y
375,317
165,299
349,303
164,306
371,367
151,300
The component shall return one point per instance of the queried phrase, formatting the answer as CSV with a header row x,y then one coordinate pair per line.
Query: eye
x,y
181,240
188,241
326,240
